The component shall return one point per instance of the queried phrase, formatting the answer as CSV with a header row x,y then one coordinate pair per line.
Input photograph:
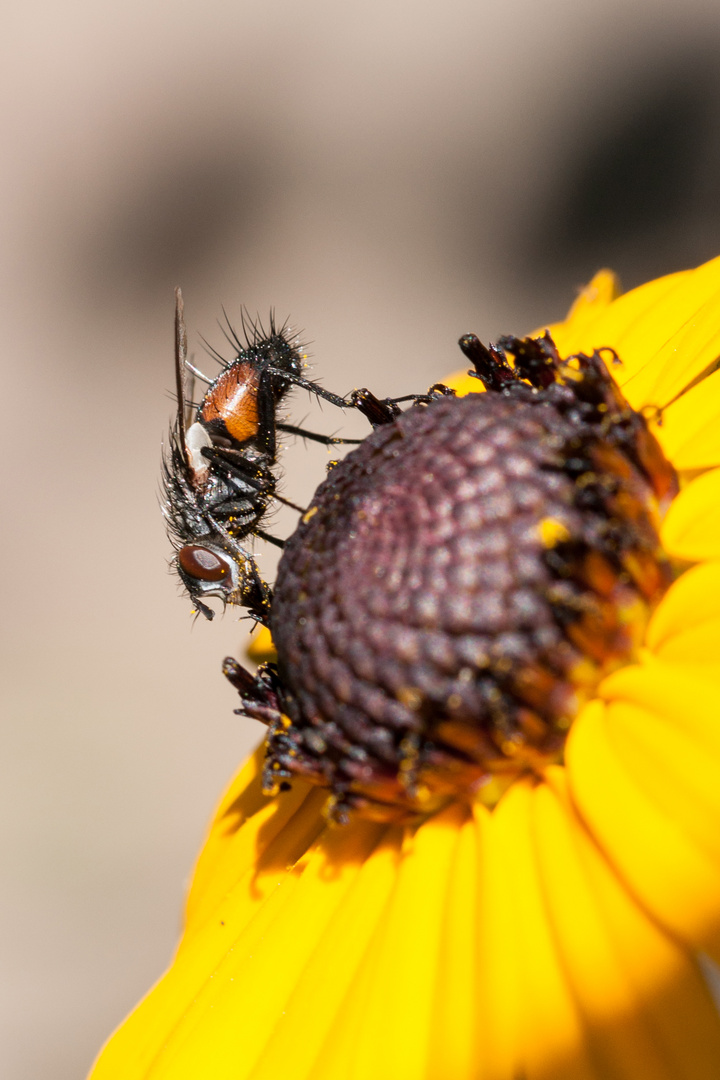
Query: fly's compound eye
x,y
202,564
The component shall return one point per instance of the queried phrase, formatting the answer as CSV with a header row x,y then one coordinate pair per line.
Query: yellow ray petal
x,y
674,770
689,432
592,300
386,1020
647,1009
499,948
676,880
230,1021
691,529
315,1011
262,646
672,693
685,629
462,383
576,332
456,1031
663,724
690,351
266,845
666,332
697,648
692,600
244,826
214,1014
524,990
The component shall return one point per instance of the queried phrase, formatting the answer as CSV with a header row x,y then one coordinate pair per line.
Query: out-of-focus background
x,y
387,174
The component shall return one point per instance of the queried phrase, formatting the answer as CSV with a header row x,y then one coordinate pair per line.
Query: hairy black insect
x,y
218,470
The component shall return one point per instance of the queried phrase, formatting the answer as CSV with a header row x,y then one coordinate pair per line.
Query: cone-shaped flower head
x,y
462,581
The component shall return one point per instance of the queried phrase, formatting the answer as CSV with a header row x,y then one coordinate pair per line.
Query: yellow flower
x,y
554,937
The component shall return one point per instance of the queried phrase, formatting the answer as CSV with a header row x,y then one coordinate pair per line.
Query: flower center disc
x,y
458,587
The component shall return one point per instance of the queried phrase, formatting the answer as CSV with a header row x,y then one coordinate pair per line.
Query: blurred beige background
x,y
389,175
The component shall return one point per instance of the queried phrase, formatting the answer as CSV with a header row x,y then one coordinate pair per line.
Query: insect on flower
x,y
551,907
218,473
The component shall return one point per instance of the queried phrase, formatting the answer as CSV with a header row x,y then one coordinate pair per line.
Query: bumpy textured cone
x,y
461,582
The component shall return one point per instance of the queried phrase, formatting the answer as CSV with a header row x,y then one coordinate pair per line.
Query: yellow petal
x,y
667,334
685,629
216,1009
691,601
663,726
251,834
593,298
262,646
314,1017
574,335
691,529
697,648
457,1027
387,1017
646,1007
462,384
499,948
672,769
534,1028
672,693
661,862
591,301
688,430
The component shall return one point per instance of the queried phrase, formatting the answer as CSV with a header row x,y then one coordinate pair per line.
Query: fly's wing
x,y
181,376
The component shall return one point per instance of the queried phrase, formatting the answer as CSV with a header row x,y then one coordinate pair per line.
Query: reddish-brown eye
x,y
200,562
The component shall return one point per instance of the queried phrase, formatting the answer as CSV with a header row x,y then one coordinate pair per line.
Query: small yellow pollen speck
x,y
633,613
552,532
584,674
310,514
328,811
490,792
409,696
